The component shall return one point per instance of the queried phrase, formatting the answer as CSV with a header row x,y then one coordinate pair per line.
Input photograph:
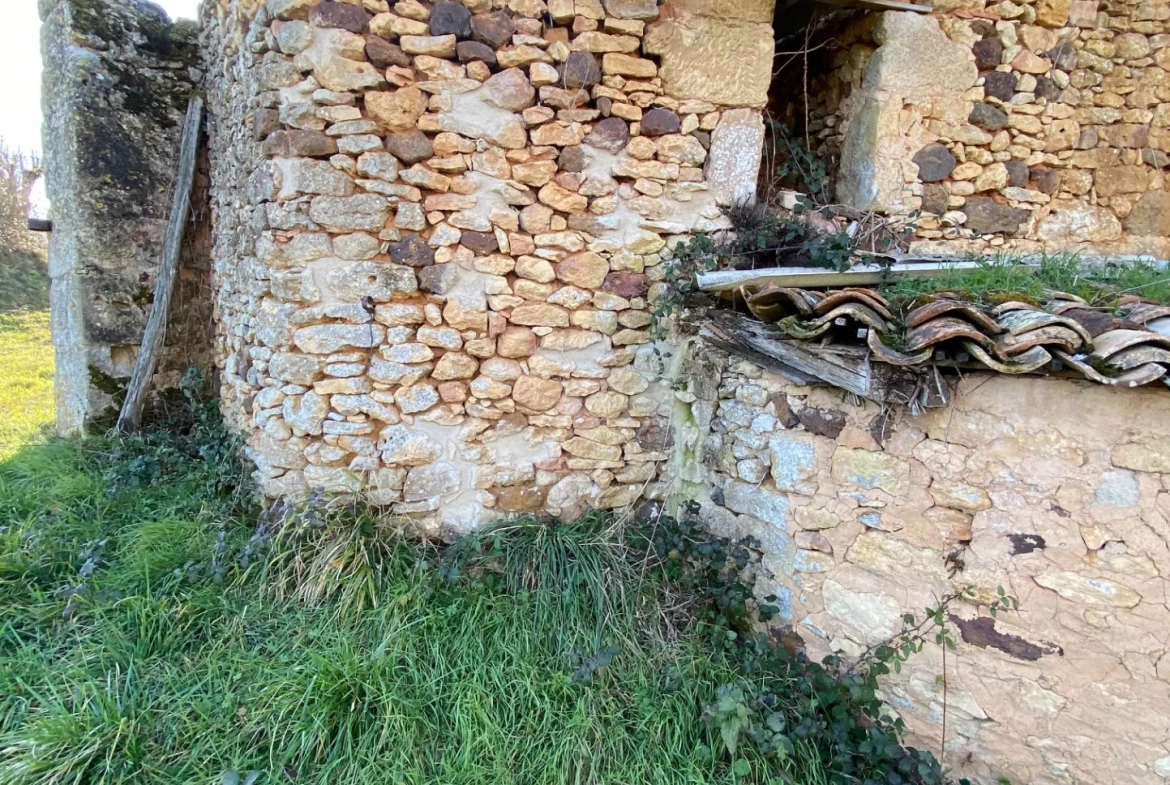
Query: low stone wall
x,y
441,226
1055,490
117,79
1032,126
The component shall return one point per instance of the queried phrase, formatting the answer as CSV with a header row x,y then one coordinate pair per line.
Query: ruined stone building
x,y
428,240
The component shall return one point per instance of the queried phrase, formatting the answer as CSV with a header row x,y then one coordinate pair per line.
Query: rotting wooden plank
x,y
849,368
851,376
130,418
720,340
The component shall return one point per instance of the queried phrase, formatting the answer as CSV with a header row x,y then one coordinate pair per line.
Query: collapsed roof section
x,y
855,339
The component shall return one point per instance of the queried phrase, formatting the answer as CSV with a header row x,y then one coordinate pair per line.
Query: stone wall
x,y
1030,126
1055,490
440,228
117,78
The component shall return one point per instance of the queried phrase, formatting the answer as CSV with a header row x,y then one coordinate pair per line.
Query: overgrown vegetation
x,y
1003,279
151,631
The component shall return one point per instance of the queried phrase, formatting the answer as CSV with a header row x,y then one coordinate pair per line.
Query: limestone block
x,y
766,504
760,11
733,163
472,115
329,338
876,152
537,394
359,213
431,481
296,176
416,398
305,413
865,469
1148,453
336,58
959,496
1077,222
295,368
816,520
1088,591
402,445
379,281
398,110
793,457
715,58
870,616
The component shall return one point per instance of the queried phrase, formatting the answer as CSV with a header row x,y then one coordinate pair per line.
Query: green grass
x,y
24,279
136,647
1007,279
26,384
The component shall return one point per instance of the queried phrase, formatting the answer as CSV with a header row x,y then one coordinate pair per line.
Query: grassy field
x,y
26,383
152,632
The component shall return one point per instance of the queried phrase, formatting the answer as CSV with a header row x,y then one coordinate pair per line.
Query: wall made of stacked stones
x,y
1025,126
117,79
1056,490
441,227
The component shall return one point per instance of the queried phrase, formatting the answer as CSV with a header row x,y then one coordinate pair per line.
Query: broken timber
x,y
847,367
130,417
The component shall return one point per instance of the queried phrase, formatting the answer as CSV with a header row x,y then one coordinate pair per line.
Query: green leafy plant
x,y
793,166
791,707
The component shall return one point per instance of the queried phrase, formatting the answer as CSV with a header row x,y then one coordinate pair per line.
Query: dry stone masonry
x,y
1030,126
441,227
1058,491
437,232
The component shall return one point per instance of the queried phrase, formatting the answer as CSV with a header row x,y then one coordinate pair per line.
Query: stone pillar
x,y
915,63
721,52
117,79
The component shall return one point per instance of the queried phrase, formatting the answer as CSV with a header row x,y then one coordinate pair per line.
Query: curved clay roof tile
x,y
1056,336
893,356
1128,359
945,328
1143,374
1108,344
1033,359
1022,322
866,297
1144,312
972,313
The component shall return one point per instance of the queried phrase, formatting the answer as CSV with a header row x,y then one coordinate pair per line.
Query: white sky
x,y
20,59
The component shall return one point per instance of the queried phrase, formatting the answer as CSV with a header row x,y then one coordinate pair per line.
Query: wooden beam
x,y
130,418
847,367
